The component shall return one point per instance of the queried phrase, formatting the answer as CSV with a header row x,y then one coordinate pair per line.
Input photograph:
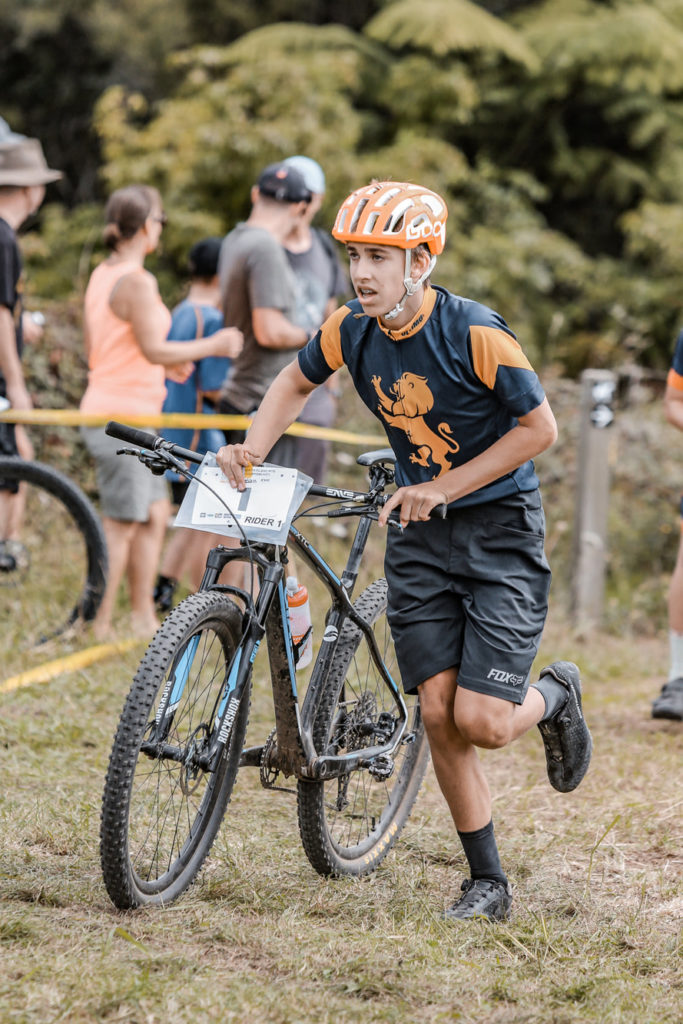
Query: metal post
x,y
590,528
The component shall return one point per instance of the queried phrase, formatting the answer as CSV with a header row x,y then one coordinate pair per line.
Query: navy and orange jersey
x,y
445,387
675,377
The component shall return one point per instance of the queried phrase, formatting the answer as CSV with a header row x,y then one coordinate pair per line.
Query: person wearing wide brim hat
x,y
24,173
23,164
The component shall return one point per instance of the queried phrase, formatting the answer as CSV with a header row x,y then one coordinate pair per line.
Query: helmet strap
x,y
409,285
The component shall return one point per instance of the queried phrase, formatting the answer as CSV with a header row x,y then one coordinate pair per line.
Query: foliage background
x,y
554,127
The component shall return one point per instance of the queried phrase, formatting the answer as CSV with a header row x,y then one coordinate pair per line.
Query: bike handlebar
x,y
154,443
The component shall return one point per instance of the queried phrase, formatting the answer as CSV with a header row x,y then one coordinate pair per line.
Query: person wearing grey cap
x,y
258,295
24,173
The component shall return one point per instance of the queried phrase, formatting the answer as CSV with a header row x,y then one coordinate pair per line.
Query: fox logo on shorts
x,y
499,676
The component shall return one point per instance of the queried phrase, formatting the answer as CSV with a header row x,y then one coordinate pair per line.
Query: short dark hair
x,y
202,260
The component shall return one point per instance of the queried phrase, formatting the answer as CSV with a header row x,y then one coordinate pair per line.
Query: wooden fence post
x,y
590,525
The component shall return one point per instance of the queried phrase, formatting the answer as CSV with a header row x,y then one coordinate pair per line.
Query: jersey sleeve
x,y
675,377
323,354
500,364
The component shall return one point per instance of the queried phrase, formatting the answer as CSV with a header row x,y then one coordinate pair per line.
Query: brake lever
x,y
157,462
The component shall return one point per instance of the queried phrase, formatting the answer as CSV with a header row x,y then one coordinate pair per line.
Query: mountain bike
x,y
61,542
354,744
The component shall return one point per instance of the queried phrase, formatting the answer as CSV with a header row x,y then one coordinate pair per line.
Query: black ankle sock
x,y
554,694
482,853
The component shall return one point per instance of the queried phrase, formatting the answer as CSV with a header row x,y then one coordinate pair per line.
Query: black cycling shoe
x,y
164,590
482,898
567,741
669,703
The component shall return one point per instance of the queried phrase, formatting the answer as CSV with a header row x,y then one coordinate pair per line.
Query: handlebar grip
x,y
132,435
439,511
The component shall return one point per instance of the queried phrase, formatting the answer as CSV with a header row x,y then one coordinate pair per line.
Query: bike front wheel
x,y
160,810
349,824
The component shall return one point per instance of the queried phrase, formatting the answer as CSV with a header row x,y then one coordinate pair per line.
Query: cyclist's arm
x,y
273,330
10,365
282,403
673,406
534,432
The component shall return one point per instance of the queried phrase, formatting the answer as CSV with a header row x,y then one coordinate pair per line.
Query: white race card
x,y
264,510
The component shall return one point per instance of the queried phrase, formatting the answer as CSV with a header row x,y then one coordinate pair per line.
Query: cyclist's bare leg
x,y
457,722
676,593
12,506
143,559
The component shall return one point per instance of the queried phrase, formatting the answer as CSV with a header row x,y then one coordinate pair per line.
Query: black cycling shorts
x,y
471,592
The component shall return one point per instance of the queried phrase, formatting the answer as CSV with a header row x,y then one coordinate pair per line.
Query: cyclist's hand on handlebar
x,y
233,460
416,502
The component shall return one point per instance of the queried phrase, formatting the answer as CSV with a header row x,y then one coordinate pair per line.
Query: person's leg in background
x,y
669,702
143,559
13,441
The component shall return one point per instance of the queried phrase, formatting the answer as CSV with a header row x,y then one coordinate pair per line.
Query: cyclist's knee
x,y
437,696
483,721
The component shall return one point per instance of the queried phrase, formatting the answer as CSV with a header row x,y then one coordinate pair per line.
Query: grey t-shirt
x,y
320,277
254,273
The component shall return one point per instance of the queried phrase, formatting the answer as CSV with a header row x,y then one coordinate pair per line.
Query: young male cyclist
x,y
465,414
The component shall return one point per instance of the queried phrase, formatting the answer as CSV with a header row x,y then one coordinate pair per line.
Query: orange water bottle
x,y
299,610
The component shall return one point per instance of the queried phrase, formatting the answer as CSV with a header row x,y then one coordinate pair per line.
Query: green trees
x,y
554,128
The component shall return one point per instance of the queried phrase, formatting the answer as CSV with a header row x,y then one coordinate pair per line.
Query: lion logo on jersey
x,y
406,411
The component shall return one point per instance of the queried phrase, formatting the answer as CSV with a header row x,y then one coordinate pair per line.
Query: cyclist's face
x,y
377,275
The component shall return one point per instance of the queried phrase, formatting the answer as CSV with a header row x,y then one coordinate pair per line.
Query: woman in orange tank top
x,y
125,327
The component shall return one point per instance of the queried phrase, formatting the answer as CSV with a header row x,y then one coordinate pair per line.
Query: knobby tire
x,y
349,824
161,816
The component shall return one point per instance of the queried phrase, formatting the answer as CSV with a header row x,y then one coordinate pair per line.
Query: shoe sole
x,y
671,715
574,693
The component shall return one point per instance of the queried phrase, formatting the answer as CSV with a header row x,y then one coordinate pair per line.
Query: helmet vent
x,y
372,220
353,226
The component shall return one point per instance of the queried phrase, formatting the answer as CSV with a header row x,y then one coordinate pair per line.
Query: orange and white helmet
x,y
393,213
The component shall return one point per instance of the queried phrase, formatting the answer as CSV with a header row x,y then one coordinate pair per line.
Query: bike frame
x,y
294,752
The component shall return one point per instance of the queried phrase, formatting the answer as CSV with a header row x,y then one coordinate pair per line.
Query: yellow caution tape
x,y
69,663
193,420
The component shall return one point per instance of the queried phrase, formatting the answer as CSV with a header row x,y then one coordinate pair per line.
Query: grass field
x,y
595,934
596,928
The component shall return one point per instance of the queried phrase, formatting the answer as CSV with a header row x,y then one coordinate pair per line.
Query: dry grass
x,y
594,937
595,934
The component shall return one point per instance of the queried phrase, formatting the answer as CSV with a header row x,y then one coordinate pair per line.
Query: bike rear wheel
x,y
349,824
59,571
161,814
